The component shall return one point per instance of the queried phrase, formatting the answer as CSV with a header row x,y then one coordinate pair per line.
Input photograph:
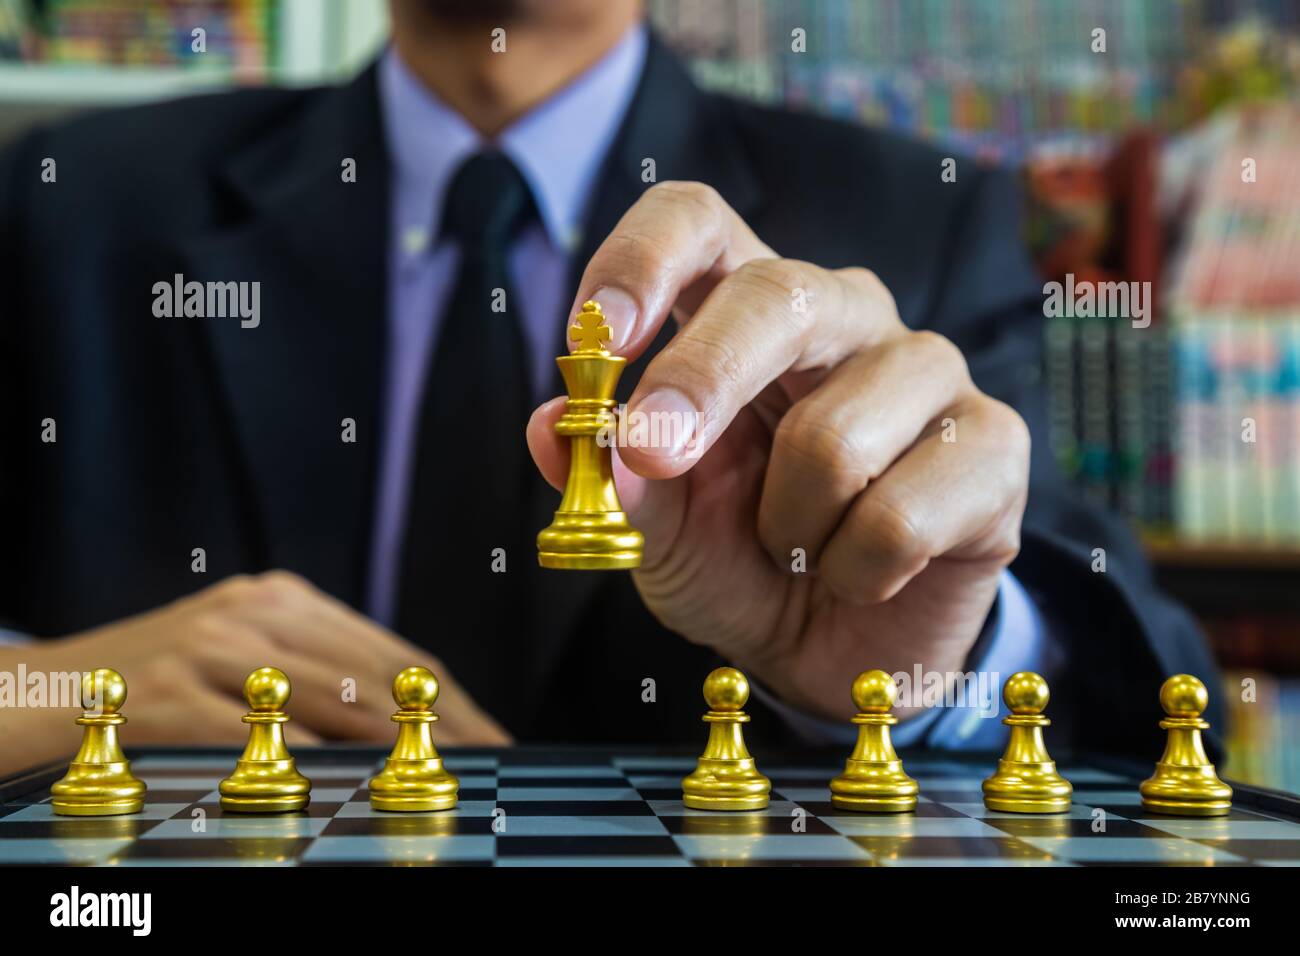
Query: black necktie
x,y
468,496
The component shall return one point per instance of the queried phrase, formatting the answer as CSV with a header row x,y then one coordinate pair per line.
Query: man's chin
x,y
474,11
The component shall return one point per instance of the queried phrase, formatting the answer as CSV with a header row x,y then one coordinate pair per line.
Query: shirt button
x,y
415,240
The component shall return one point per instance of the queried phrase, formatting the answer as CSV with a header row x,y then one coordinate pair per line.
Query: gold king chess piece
x,y
873,780
725,778
99,781
413,777
265,779
590,531
1026,780
1185,783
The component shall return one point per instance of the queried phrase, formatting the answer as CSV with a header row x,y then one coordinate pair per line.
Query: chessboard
x,y
584,807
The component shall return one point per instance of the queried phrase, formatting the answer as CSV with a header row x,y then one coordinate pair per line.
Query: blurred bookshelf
x,y
1121,151
61,56
1000,78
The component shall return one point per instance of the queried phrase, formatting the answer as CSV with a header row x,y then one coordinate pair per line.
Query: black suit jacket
x,y
180,433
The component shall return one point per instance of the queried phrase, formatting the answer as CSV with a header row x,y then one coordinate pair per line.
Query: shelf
x,y
33,94
1170,552
35,85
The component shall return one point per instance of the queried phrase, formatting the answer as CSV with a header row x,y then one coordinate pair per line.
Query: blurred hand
x,y
822,426
185,666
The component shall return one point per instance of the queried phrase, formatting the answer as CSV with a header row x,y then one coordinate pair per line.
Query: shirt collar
x,y
558,146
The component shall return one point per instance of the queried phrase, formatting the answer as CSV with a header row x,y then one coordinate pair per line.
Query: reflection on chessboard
x,y
587,808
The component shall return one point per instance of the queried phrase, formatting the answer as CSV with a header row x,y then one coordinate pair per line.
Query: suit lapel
x,y
317,246
688,135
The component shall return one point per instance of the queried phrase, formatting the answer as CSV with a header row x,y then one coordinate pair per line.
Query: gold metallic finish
x,y
1185,783
265,779
873,780
590,531
413,778
99,781
1026,780
887,837
263,837
1037,825
81,838
735,824
726,778
414,827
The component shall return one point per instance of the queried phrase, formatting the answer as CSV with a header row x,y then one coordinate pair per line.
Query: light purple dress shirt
x,y
559,148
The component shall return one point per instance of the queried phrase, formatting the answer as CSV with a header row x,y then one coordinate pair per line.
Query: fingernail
x,y
668,421
619,309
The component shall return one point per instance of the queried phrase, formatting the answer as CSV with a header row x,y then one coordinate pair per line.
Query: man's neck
x,y
466,67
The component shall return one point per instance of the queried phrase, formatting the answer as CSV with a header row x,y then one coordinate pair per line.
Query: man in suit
x,y
291,342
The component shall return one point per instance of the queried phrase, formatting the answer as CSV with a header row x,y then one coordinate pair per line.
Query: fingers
x,y
226,649
961,499
464,722
549,450
841,437
280,616
200,714
675,236
773,319
754,318
296,735
299,616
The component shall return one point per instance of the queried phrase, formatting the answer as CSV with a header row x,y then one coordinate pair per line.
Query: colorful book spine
x,y
1263,724
239,36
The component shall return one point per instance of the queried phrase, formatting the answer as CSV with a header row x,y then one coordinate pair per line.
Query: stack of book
x,y
993,77
1235,330
1263,726
1108,369
1111,408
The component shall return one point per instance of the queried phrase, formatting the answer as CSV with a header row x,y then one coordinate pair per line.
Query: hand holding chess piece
x,y
819,482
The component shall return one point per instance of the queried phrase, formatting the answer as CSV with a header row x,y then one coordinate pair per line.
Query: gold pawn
x,y
265,779
99,781
590,531
1185,783
725,777
1026,780
413,778
873,780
